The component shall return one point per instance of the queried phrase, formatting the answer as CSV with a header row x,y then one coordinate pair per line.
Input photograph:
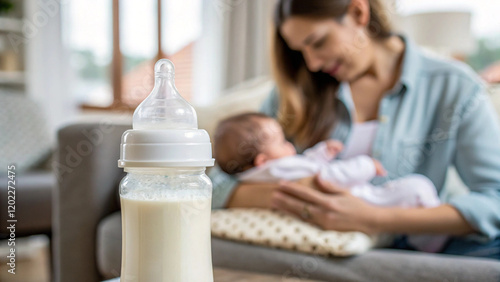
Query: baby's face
x,y
275,145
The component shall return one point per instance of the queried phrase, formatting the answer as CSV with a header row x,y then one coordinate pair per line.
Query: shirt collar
x,y
410,65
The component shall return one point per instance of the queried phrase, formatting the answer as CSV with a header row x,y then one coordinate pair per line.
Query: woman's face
x,y
339,48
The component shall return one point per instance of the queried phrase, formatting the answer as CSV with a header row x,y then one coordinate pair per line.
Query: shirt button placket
x,y
379,137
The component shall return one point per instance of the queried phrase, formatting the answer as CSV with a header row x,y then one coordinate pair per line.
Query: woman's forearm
x,y
444,219
252,195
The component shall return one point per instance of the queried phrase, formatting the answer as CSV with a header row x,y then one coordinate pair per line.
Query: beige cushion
x,y
248,96
273,229
495,97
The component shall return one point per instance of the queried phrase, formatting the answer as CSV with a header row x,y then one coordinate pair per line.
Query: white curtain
x,y
246,37
234,45
47,80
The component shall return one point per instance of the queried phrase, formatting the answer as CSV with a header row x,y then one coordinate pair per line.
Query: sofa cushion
x,y
375,265
33,202
248,96
109,245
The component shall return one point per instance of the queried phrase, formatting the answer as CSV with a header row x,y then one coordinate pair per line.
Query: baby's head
x,y
248,140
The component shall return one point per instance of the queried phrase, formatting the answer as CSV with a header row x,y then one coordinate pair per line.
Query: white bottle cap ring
x,y
165,148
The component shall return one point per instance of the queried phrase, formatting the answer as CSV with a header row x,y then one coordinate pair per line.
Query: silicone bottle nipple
x,y
164,108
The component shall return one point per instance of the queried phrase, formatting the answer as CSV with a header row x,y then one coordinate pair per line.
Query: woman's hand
x,y
329,207
252,195
379,168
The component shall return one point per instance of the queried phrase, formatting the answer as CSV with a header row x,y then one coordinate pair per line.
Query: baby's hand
x,y
379,168
324,151
334,147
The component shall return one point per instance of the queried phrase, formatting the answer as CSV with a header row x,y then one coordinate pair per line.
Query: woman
x,y
342,74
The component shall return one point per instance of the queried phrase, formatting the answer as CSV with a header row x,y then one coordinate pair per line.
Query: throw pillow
x,y
274,229
24,138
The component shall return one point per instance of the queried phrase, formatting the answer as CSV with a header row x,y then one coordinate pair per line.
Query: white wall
x,y
47,74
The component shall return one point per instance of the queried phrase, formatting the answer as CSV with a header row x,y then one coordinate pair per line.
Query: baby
x,y
253,147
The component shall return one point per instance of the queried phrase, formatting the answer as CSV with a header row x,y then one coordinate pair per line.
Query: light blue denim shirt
x,y
438,115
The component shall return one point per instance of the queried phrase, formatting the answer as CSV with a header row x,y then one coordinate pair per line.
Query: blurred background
x,y
76,57
63,62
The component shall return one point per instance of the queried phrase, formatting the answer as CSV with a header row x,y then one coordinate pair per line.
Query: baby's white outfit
x,y
355,173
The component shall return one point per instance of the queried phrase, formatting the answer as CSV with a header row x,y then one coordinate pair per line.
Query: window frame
x,y
117,60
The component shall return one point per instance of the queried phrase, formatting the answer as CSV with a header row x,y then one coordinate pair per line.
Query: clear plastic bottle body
x,y
166,225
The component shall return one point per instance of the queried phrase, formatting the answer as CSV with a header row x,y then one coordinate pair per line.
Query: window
x,y
115,43
88,35
139,48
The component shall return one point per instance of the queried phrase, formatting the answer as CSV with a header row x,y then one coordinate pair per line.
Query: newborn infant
x,y
253,147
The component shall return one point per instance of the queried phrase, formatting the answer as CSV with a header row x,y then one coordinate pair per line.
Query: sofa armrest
x,y
88,177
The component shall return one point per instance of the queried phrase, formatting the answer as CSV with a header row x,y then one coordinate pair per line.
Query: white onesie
x,y
413,190
355,173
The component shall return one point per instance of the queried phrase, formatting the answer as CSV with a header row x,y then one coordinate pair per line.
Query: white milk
x,y
166,240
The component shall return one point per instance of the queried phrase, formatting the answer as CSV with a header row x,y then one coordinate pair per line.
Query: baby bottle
x,y
166,195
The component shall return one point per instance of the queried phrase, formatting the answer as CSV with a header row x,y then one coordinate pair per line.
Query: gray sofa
x,y
87,227
33,202
87,230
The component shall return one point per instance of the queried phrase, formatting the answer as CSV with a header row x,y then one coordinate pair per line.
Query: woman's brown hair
x,y
308,99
